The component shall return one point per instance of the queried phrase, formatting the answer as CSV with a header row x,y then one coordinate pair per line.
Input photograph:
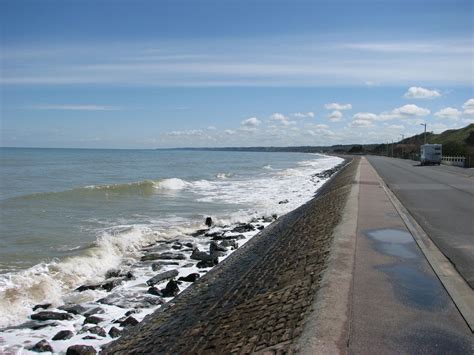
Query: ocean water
x,y
67,216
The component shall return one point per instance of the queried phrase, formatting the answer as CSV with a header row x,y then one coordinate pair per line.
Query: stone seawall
x,y
258,298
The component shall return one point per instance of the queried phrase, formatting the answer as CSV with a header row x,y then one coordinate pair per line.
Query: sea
x,y
69,216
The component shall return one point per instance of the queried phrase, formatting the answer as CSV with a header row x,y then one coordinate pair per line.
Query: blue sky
x,y
146,74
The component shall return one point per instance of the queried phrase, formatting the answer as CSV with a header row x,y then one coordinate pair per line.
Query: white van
x,y
430,154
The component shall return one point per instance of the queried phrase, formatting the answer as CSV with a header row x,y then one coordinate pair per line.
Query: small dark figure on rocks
x,y
209,221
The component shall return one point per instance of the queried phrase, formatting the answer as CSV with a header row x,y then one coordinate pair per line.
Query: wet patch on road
x,y
415,288
393,242
412,285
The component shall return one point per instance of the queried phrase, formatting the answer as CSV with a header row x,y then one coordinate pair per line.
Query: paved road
x,y
441,199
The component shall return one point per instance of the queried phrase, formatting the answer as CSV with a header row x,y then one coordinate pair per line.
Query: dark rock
x,y
92,311
48,315
242,228
283,202
261,228
81,350
208,263
161,277
171,289
130,312
229,237
208,221
268,219
154,291
200,255
108,285
216,249
190,278
129,322
137,301
160,264
63,335
73,308
229,243
199,232
89,337
42,306
214,234
177,246
42,346
190,245
97,331
163,256
274,216
115,332
93,320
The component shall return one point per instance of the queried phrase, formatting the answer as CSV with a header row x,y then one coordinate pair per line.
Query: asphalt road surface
x,y
441,199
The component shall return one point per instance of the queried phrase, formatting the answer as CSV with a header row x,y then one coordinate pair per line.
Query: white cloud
x,y
335,116
250,124
303,115
282,119
337,106
416,92
449,112
370,83
394,126
403,112
189,132
229,131
468,107
211,128
75,107
363,119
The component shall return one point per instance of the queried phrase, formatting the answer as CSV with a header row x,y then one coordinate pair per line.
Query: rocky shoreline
x,y
165,269
258,299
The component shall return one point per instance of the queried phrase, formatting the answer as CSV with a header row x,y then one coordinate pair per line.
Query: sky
x,y
176,73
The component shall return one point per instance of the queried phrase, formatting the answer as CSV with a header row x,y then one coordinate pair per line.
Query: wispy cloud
x,y
256,62
75,107
416,92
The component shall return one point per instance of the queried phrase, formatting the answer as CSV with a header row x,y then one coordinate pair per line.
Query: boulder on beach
x,y
190,278
208,263
92,311
81,350
243,227
42,346
93,320
73,308
203,256
137,301
171,289
282,202
115,332
49,315
33,325
209,221
217,249
97,331
163,256
229,237
158,265
129,322
63,335
162,276
229,243
107,285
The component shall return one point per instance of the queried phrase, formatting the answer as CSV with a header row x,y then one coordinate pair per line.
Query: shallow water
x,y
68,216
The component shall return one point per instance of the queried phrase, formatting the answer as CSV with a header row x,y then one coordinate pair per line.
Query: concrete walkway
x,y
398,305
379,294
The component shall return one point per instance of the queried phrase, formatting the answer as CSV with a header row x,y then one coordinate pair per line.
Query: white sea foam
x,y
172,184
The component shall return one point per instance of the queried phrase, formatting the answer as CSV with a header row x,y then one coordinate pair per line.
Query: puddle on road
x,y
415,288
412,286
394,242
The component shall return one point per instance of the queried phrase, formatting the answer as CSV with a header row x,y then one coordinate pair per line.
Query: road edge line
x,y
457,288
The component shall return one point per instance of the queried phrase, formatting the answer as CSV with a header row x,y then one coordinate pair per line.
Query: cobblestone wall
x,y
258,298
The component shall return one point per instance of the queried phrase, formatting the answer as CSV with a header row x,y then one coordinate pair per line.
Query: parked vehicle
x,y
430,154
